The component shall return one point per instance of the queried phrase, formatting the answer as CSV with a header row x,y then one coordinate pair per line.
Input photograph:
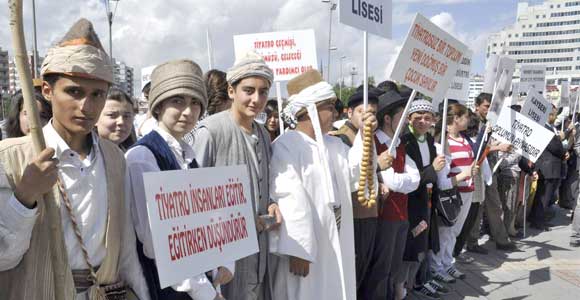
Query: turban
x,y
249,65
176,78
309,96
79,54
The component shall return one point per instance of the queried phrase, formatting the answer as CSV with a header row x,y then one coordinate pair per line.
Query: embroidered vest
x,y
395,206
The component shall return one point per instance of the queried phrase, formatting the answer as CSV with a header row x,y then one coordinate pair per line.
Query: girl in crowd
x,y
272,120
463,167
17,123
116,121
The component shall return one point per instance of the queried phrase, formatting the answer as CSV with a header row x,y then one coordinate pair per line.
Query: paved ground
x,y
547,268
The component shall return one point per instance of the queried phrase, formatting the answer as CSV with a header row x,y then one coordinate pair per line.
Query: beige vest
x,y
44,272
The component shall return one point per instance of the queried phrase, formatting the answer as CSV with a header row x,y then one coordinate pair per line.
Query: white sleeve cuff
x,y
22,210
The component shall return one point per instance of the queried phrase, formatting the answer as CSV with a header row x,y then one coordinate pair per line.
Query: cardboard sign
x,y
372,16
565,94
459,88
146,75
288,53
536,107
494,67
200,219
532,77
428,59
502,89
527,137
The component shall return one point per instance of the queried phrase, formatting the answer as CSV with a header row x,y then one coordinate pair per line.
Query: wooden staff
x,y
51,210
21,60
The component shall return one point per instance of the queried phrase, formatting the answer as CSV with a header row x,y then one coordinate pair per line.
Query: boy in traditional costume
x,y
233,137
312,176
73,239
176,101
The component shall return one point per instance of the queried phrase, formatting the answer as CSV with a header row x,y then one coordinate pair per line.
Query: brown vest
x,y
44,272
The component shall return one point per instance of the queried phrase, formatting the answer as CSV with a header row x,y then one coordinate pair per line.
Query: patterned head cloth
x,y
249,65
79,54
421,105
175,78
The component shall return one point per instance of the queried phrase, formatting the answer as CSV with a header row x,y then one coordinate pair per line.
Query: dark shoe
x,y
509,247
477,249
439,287
518,235
540,227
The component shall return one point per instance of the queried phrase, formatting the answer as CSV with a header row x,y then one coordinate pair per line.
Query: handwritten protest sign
x,y
200,219
373,16
527,137
536,107
459,88
428,59
288,53
532,77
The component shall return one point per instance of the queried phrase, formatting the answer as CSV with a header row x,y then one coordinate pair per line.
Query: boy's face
x,y
76,103
421,121
250,96
355,114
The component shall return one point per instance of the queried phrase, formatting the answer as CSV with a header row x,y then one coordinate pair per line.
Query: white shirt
x,y
141,160
89,207
405,182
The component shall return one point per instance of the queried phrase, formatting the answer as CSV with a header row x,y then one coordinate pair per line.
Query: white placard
x,y
372,16
494,67
428,59
565,94
532,76
536,107
459,87
288,53
200,219
527,137
146,75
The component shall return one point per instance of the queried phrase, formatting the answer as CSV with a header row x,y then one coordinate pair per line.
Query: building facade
x,y
475,88
4,72
14,77
124,77
546,34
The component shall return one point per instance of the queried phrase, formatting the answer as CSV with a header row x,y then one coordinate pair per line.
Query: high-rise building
x,y
475,88
546,34
4,72
124,77
14,77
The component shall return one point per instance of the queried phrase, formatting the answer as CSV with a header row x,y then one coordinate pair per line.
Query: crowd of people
x,y
73,218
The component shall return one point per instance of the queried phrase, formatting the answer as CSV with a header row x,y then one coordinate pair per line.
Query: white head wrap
x,y
308,98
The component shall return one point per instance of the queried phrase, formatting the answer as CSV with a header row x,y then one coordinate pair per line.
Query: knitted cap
x,y
177,78
249,65
79,54
421,105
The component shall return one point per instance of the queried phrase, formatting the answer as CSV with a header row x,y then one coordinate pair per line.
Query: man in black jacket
x,y
549,166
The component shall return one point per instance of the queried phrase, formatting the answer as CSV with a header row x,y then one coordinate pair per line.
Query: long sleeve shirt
x,y
86,186
141,160
405,182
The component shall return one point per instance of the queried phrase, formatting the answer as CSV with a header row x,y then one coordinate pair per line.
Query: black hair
x,y
482,97
391,112
271,107
16,106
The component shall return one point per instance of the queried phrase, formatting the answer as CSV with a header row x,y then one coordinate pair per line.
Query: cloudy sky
x,y
147,32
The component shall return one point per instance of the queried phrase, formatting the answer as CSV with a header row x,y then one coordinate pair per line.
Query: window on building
x,y
543,16
509,35
495,44
537,16
517,35
530,26
577,67
551,6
